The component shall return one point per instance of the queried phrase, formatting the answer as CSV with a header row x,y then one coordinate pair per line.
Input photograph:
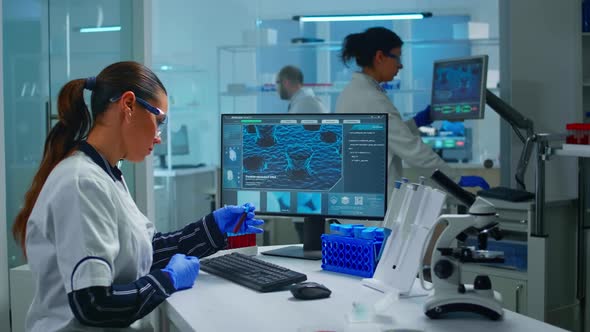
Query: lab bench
x,y
215,304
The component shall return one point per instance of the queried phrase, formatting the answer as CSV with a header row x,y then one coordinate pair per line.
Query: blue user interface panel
x,y
331,165
458,88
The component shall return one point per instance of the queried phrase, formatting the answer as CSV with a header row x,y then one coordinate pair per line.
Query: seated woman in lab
x,y
378,52
96,259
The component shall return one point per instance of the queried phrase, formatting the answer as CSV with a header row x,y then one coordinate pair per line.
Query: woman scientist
x,y
94,256
378,52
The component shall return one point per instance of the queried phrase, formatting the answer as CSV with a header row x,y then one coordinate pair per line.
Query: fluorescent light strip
x,y
375,17
101,29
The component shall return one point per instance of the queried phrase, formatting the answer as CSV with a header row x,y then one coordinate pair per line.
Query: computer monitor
x,y
315,166
179,144
459,88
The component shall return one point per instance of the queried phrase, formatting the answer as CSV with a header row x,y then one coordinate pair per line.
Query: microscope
x,y
450,295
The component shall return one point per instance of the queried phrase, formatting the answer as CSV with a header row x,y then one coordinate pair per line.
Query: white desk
x,y
215,304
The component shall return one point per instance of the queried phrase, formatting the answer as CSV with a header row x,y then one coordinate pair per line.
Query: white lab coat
x,y
85,230
305,101
364,95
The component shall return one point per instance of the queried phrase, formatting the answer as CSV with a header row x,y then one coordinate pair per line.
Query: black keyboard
x,y
251,272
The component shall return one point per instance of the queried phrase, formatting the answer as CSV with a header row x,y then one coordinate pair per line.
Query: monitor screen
x,y
324,165
458,88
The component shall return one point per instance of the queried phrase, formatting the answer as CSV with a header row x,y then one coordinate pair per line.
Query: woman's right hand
x,y
183,270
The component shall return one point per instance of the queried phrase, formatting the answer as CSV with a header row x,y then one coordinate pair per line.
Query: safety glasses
x,y
398,58
161,118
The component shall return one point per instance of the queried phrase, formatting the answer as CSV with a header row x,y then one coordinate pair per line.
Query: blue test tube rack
x,y
353,249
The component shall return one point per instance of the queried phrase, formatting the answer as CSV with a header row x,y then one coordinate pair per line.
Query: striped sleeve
x,y
200,239
120,304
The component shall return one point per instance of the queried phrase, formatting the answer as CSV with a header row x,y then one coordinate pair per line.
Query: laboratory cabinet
x,y
542,285
586,74
584,164
511,285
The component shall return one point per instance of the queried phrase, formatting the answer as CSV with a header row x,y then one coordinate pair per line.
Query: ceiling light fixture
x,y
101,29
358,17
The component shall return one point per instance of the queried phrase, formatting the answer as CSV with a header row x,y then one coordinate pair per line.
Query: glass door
x,y
46,44
26,97
85,37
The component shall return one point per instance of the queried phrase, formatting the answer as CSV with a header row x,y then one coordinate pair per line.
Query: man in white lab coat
x,y
290,87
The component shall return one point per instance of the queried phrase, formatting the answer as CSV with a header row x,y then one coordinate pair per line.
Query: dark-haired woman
x,y
378,52
95,258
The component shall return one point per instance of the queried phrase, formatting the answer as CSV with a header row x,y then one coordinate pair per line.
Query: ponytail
x,y
74,123
351,47
363,46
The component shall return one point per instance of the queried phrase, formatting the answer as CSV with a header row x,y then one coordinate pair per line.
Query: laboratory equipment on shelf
x,y
449,294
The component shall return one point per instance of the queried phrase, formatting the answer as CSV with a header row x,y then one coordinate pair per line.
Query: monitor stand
x,y
313,228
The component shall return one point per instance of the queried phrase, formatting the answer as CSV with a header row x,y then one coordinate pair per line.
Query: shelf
x,y
585,34
318,91
574,150
323,89
336,45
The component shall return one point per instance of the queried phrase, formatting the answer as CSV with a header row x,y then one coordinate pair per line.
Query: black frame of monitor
x,y
482,89
313,224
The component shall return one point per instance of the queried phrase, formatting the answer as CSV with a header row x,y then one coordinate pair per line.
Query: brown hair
x,y
75,121
363,46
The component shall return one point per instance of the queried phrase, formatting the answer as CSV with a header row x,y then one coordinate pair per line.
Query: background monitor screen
x,y
179,144
324,165
458,88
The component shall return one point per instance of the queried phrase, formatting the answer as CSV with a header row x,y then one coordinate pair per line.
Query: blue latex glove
x,y
474,181
457,128
183,270
227,218
423,117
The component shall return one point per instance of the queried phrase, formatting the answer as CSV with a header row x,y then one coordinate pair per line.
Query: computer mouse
x,y
310,291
